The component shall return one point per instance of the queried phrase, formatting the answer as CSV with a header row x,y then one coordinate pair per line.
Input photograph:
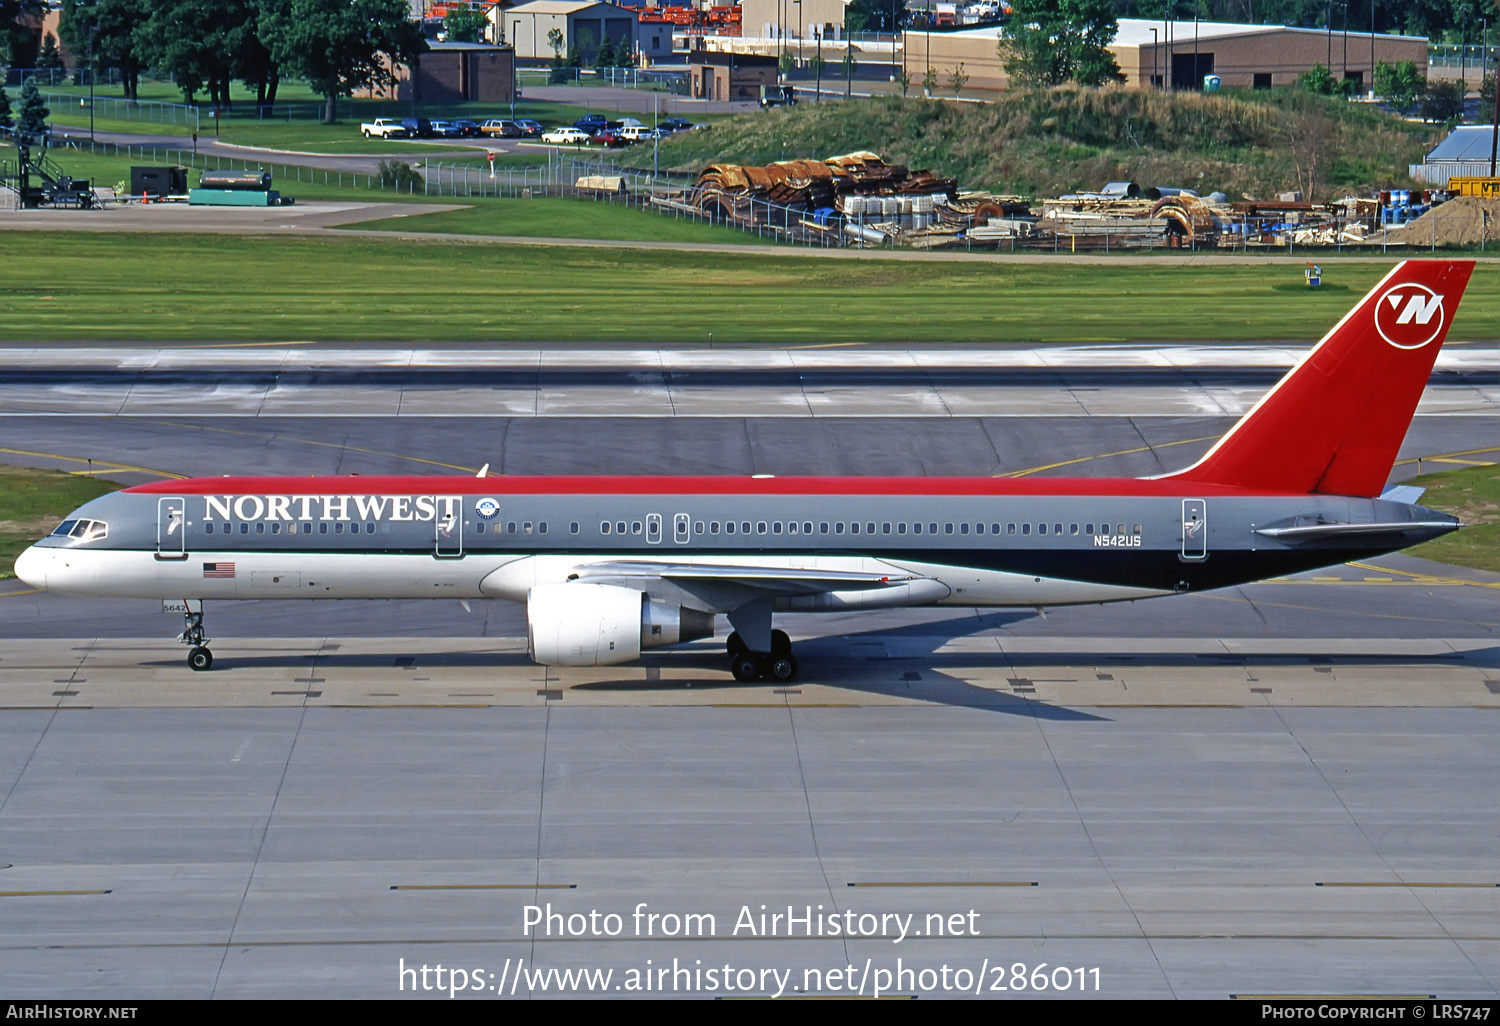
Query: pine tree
x,y
50,59
5,117
32,119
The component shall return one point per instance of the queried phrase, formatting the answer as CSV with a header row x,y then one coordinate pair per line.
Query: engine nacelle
x,y
578,624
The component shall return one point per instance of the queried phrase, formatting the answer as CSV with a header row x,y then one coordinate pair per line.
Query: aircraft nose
x,y
31,567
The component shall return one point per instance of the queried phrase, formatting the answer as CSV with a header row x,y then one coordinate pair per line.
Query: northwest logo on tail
x,y
1409,316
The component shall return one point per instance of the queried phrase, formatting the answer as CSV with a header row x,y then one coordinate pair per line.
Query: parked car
x,y
466,128
641,133
677,125
609,138
446,130
566,135
417,128
592,123
503,128
532,129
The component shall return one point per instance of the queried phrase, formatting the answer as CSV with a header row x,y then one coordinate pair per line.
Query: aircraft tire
x,y
782,668
200,658
746,667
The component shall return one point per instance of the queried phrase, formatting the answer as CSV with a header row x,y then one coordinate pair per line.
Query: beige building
x,y
791,19
1179,54
582,23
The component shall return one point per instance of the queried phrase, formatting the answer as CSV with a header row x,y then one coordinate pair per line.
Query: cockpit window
x,y
82,530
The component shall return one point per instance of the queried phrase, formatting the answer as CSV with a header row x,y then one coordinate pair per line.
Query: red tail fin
x,y
1334,423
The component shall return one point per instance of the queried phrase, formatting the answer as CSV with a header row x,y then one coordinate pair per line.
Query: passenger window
x,y
542,527
260,528
1057,528
807,527
208,528
338,528
244,529
760,527
729,527
885,528
854,527
713,527
1025,528
744,527
573,527
323,528
776,527
1121,529
823,527
1088,528
353,528
916,528
1072,528
698,527
619,527
1041,528
932,528
994,529
635,527
604,527
838,528
791,527
526,527
511,527
306,528
276,528
901,528
1136,529
479,527
1010,528
963,528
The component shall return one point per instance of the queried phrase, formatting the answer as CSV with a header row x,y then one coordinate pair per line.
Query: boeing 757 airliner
x,y
608,566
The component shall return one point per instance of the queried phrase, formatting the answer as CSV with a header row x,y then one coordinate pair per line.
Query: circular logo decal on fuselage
x,y
1409,316
488,509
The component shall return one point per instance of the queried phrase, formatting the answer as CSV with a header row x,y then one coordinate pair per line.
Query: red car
x,y
608,137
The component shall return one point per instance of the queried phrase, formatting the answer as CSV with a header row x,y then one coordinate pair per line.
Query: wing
x,y
771,580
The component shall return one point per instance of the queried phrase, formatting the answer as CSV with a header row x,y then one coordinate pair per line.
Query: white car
x,y
566,135
641,133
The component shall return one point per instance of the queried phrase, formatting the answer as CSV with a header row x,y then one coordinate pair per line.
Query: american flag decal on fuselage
x,y
218,569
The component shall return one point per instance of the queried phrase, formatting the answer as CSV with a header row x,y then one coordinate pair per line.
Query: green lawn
x,y
562,219
111,286
33,502
1472,495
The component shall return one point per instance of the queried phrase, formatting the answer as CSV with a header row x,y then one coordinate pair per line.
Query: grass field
x,y
33,502
563,219
1472,495
74,286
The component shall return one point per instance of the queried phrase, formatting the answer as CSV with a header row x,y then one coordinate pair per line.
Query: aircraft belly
x,y
225,575
970,586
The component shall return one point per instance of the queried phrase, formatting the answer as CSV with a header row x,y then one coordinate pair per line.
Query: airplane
x,y
610,566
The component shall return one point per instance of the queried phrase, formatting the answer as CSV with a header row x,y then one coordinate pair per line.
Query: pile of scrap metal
x,y
803,197
1277,222
1123,215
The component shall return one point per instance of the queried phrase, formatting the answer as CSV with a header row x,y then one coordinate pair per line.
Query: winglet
x,y
1333,425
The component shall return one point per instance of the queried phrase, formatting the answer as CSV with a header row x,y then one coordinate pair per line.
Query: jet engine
x,y
577,624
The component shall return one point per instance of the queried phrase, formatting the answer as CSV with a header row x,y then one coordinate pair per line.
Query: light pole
x,y
1154,80
797,63
894,29
92,29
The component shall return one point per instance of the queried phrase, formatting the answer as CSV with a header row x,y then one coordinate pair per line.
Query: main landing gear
x,y
778,664
199,657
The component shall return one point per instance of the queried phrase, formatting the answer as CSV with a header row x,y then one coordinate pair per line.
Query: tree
x,y
343,45
555,40
1049,42
929,81
465,25
870,15
903,79
605,58
957,79
786,63
17,42
32,119
114,25
1400,84
6,120
1444,101
50,59
1308,136
194,41
1317,79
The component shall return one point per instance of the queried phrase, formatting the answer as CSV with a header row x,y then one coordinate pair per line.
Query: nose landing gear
x,y
199,657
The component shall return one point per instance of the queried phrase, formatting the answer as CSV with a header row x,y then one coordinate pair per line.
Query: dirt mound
x,y
1464,221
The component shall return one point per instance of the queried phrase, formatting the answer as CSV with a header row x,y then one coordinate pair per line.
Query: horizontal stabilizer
x,y
1408,494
